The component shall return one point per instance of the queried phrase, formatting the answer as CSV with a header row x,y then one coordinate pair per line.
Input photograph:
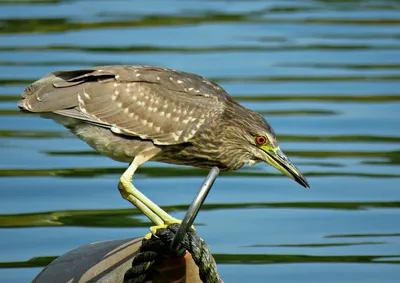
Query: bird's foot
x,y
153,229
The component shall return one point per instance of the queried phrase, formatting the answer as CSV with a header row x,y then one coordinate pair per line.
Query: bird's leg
x,y
128,191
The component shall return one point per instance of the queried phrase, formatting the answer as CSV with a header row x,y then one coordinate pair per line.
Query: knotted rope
x,y
153,250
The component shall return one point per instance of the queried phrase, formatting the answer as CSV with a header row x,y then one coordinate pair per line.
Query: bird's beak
x,y
276,158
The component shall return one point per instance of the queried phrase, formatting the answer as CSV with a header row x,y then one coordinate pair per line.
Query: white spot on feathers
x,y
116,130
192,132
80,100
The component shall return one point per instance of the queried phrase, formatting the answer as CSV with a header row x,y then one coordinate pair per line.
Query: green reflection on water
x,y
324,98
292,258
248,259
317,245
6,98
35,134
369,66
58,63
131,217
31,2
314,78
363,235
206,49
46,25
33,262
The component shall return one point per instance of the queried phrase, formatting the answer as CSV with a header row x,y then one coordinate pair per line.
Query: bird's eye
x,y
260,140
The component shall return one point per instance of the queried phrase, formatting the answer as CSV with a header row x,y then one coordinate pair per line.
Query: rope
x,y
153,250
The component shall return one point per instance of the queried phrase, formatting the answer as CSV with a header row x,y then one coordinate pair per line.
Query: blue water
x,y
326,75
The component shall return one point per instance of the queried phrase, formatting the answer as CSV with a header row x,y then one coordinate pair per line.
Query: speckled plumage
x,y
138,113
123,110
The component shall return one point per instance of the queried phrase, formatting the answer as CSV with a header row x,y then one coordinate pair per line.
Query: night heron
x,y
139,113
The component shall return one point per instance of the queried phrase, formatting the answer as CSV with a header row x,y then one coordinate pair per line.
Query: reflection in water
x,y
324,73
320,245
249,259
126,217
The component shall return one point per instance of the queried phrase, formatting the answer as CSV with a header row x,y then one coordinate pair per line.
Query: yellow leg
x,y
128,191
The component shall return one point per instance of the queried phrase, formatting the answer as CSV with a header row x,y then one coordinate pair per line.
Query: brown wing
x,y
163,105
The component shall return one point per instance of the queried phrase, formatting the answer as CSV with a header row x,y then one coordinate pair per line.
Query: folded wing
x,y
162,105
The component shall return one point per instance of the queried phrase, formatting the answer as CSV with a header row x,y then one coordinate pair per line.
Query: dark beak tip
x,y
306,184
303,182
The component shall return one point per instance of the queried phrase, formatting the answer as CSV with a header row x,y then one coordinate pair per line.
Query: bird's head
x,y
266,149
262,145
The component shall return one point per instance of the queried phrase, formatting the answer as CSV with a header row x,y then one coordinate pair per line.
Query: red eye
x,y
261,140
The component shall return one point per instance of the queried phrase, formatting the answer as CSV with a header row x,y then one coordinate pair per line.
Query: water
x,y
326,74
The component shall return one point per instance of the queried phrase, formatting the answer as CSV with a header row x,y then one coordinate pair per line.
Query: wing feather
x,y
162,105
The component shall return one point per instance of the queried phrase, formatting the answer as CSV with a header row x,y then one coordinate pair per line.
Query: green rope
x,y
153,250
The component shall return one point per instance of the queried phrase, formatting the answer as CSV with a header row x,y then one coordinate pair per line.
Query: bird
x,y
135,114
